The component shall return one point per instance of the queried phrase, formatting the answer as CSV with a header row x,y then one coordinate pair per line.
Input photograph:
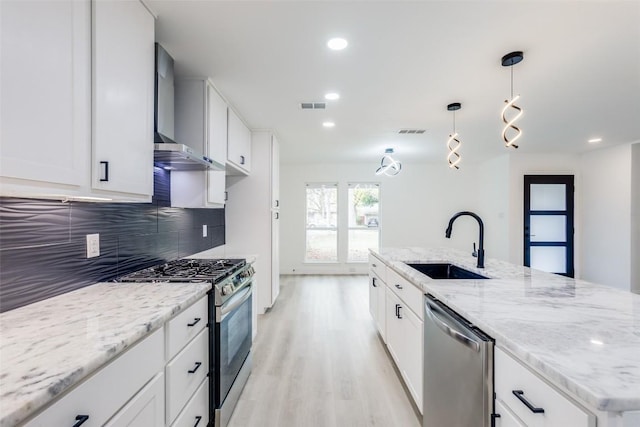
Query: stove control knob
x,y
226,290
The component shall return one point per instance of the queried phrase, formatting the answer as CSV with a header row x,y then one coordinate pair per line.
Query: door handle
x,y
80,420
431,310
520,395
193,371
105,171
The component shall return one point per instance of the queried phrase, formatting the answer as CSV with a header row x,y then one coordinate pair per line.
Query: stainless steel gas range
x,y
230,325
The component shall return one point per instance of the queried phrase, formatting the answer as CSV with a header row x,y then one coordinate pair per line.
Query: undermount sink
x,y
445,271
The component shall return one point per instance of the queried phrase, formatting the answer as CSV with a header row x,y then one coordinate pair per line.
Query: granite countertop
x,y
49,346
581,336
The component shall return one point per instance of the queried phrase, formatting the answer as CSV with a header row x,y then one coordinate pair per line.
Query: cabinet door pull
x,y
198,418
195,320
277,203
80,420
493,419
373,282
277,215
398,286
520,395
398,311
105,171
242,160
193,371
373,264
399,314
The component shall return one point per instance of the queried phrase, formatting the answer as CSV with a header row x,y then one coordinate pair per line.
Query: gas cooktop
x,y
182,270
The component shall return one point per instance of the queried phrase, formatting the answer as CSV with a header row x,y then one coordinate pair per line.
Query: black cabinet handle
x,y
373,282
105,171
493,419
242,160
399,314
277,203
195,321
80,420
520,395
198,418
193,371
398,286
277,215
373,265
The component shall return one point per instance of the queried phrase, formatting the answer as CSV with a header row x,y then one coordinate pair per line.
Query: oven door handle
x,y
222,312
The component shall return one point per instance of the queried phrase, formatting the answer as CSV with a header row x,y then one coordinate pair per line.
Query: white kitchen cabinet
x,y
145,409
548,407
404,338
105,392
252,222
377,297
123,55
196,412
45,107
239,149
201,123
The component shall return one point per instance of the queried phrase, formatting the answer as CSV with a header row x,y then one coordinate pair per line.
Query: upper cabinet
x,y
45,107
238,146
123,81
53,80
201,123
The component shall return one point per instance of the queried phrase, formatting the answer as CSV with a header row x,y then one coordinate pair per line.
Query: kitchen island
x,y
50,347
580,337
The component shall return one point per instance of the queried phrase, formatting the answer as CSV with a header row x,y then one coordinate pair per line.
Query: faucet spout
x,y
480,237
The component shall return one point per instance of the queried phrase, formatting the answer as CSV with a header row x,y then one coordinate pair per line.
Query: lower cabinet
x,y
404,341
160,381
527,400
104,394
506,418
377,303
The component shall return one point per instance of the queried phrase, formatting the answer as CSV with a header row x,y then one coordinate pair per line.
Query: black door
x,y
548,223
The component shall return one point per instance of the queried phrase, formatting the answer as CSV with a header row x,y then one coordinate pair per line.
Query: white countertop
x,y
583,337
49,346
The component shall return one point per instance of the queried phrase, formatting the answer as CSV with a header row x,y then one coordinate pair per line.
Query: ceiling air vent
x,y
411,131
313,105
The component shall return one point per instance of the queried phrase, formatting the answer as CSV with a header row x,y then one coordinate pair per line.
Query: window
x,y
322,223
364,221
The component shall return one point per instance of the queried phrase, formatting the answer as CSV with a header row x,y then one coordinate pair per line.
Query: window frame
x,y
335,228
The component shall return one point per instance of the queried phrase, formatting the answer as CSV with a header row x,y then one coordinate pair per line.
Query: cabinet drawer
x,y
185,326
511,377
378,267
407,291
506,418
185,373
103,394
196,412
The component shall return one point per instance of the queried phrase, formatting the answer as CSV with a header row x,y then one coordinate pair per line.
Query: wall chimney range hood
x,y
169,154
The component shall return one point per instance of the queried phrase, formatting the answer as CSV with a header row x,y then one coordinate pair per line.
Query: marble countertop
x,y
581,336
49,346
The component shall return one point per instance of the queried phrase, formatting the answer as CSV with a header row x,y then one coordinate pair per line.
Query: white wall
x,y
606,216
415,207
635,218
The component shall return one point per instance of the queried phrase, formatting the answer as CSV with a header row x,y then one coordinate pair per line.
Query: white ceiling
x,y
405,62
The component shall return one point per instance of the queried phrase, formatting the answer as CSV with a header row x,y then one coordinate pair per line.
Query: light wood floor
x,y
318,361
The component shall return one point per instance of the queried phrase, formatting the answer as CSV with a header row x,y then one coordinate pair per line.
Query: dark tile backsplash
x,y
43,243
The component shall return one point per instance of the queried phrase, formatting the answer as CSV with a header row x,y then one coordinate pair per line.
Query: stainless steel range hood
x,y
169,154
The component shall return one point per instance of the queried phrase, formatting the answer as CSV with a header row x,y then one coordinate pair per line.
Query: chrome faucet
x,y
480,252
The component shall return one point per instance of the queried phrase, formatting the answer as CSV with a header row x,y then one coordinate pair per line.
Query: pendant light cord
x,y
511,81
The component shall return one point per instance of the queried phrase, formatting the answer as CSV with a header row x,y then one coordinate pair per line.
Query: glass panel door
x,y
548,223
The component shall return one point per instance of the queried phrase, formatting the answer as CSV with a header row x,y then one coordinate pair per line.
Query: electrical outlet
x,y
204,230
93,245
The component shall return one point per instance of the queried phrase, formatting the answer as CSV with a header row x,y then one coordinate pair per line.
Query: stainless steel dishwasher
x,y
458,370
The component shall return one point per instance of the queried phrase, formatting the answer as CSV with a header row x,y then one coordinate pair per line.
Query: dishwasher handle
x,y
433,310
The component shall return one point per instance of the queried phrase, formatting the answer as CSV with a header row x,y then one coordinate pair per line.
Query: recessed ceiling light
x,y
328,124
337,43
594,140
596,342
332,96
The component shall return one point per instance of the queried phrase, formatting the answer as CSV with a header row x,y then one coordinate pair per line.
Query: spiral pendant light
x,y
453,143
388,165
511,113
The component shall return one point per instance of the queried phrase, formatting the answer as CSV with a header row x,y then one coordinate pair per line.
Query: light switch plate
x,y
204,230
93,245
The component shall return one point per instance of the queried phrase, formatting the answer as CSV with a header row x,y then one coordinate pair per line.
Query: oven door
x,y
233,336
